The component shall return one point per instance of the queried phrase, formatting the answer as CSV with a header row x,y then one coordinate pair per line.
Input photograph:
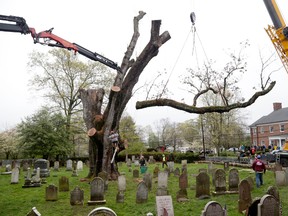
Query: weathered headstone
x,y
251,182
233,180
63,184
147,178
77,196
104,175
120,197
102,211
36,180
133,158
182,195
226,165
273,191
69,165
170,166
213,208
164,205
162,179
25,166
142,193
155,172
121,183
268,206
34,212
135,173
51,193
280,177
245,198
136,163
253,208
220,182
44,168
177,172
129,162
202,185
151,159
79,166
97,191
56,166
183,181
15,175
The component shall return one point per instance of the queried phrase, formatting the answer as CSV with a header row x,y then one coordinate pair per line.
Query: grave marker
x,y
142,193
97,191
213,208
164,205
245,199
77,196
268,206
202,185
51,193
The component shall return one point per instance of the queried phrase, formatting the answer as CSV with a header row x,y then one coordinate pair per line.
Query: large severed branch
x,y
202,110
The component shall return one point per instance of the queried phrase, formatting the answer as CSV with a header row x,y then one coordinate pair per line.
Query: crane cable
x,y
177,59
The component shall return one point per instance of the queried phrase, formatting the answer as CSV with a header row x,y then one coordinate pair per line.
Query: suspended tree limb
x,y
202,110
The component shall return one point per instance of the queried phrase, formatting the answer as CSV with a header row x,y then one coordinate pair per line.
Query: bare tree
x,y
99,124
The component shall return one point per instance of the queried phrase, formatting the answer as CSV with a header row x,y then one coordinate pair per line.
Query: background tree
x,y
9,143
44,134
60,74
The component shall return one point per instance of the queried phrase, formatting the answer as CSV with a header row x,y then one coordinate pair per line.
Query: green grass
x,y
15,200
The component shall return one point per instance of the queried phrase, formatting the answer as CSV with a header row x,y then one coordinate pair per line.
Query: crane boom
x,y
278,33
19,25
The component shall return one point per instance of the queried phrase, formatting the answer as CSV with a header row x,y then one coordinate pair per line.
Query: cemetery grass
x,y
18,201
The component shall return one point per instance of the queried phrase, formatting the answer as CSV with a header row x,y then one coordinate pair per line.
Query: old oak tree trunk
x,y
99,124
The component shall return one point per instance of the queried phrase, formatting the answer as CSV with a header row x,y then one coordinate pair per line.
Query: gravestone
x,y
280,177
220,182
63,184
28,181
104,175
273,191
202,170
245,199
44,168
268,206
133,158
177,172
151,159
164,205
120,197
102,211
97,191
79,166
121,183
142,193
51,193
36,180
135,173
162,184
277,167
77,196
15,175
147,178
34,212
129,162
25,166
69,165
213,208
182,195
226,166
155,172
211,168
56,166
170,166
233,180
136,163
202,185
251,182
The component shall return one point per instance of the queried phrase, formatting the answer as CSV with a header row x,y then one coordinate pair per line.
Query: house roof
x,y
279,115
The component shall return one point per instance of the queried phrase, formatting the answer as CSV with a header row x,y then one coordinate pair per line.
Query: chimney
x,y
277,106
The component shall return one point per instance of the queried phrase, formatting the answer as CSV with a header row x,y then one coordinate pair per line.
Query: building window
x,y
271,129
262,142
254,131
262,130
282,128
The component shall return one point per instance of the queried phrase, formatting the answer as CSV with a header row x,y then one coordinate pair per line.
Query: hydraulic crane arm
x,y
47,38
278,33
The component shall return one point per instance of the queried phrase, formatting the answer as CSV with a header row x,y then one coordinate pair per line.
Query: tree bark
x,y
100,148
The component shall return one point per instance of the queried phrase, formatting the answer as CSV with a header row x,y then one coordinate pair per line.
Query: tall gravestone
x,y
147,178
69,165
79,166
162,189
64,184
121,189
268,206
15,175
77,196
97,191
56,166
182,195
213,208
245,198
142,193
202,185
233,180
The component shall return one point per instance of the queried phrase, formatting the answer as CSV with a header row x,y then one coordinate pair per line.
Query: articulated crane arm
x,y
278,33
18,24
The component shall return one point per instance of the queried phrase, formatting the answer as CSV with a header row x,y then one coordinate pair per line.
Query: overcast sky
x,y
107,26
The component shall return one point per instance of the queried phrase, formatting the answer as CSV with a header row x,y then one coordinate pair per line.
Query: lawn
x,y
18,201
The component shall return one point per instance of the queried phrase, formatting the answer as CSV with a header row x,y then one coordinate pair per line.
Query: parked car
x,y
233,149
